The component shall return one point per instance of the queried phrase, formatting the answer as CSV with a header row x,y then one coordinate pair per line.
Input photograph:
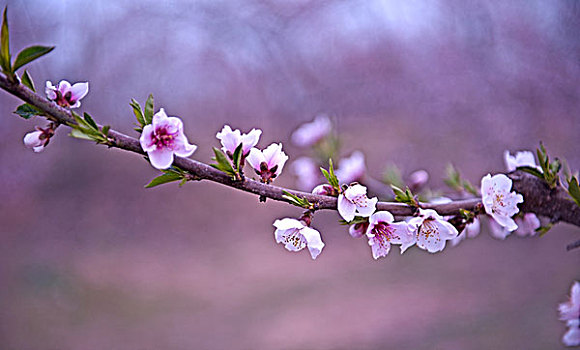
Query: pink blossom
x,y
431,230
471,230
382,232
66,95
296,235
164,138
527,226
324,190
310,133
498,201
307,172
269,162
418,179
572,336
570,312
38,139
354,201
358,230
231,139
352,168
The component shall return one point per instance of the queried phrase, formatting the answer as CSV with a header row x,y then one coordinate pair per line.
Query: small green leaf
x,y
223,163
574,189
27,111
238,156
27,81
531,170
149,109
165,178
105,130
137,110
542,230
90,121
30,54
76,133
5,44
297,201
392,176
330,175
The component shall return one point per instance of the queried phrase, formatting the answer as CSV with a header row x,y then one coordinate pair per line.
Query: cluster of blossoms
x,y
64,95
570,313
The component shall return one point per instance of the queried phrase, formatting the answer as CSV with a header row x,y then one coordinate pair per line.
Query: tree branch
x,y
539,198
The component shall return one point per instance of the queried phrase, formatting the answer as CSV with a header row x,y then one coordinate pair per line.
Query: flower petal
x,y
369,208
161,158
250,140
313,241
255,158
346,208
381,216
146,139
79,90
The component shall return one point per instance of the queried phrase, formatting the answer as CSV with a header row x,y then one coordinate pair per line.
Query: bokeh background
x,y
89,259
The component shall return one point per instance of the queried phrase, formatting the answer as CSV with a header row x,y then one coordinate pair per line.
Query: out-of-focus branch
x,y
539,198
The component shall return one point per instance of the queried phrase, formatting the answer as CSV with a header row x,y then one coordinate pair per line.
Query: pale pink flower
x,y
498,201
524,158
354,201
310,133
382,232
471,230
418,179
164,138
307,172
431,230
352,168
324,190
570,312
572,336
66,95
296,235
38,139
231,139
527,226
358,230
269,162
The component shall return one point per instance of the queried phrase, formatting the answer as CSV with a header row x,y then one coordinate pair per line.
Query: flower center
x,y
498,203
429,230
163,139
383,234
360,200
295,239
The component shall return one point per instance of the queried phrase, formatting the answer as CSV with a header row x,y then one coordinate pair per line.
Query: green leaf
x,y
297,201
27,111
330,176
105,130
392,176
531,170
137,110
30,54
238,156
90,121
27,81
574,189
165,178
5,44
149,108
76,133
404,196
223,163
542,230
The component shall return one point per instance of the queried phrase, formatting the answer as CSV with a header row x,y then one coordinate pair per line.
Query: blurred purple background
x,y
89,259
